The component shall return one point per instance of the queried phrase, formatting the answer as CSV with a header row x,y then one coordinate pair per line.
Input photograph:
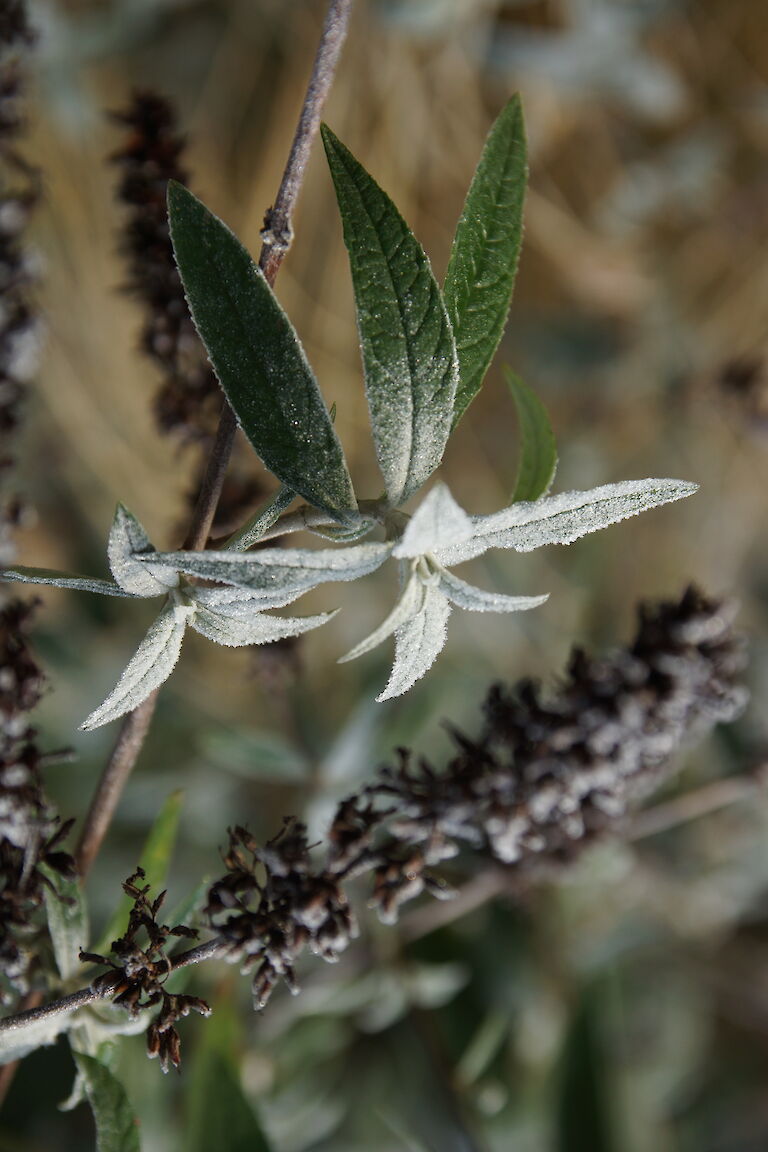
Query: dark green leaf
x,y
116,1125
483,264
257,357
538,451
585,1091
409,355
155,858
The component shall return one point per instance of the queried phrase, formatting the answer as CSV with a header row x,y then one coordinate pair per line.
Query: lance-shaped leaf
x,y
483,264
56,579
254,529
127,538
257,357
538,451
239,603
418,643
477,600
564,518
276,571
411,601
152,664
117,1128
437,522
409,354
236,632
67,918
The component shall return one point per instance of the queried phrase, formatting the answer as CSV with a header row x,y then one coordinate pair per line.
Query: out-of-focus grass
x,y
644,273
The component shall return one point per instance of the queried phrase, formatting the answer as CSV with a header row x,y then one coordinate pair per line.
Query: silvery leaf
x,y
564,518
254,529
437,522
152,664
16,1043
279,570
477,600
418,643
342,535
239,603
126,539
407,606
61,580
257,629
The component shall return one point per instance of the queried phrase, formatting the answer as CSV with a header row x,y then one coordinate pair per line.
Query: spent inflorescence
x,y
139,966
545,776
188,401
30,832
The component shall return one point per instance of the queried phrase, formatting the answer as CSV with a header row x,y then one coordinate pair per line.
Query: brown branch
x,y
277,236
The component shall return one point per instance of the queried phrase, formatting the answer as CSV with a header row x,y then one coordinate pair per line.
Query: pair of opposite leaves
x,y
425,354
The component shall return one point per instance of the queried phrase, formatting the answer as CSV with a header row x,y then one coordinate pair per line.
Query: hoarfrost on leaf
x,y
127,540
418,643
437,522
258,628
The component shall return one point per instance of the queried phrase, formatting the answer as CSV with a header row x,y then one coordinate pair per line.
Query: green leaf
x,y
252,531
257,357
538,451
67,916
126,538
155,858
483,264
116,1125
409,354
583,1107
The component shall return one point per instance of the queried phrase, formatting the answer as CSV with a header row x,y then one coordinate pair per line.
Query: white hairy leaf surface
x,y
236,632
16,1043
62,580
418,643
563,518
279,570
410,602
126,539
252,531
152,664
239,603
438,522
478,600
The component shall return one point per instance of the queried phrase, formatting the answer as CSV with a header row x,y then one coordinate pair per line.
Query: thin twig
x,y
277,237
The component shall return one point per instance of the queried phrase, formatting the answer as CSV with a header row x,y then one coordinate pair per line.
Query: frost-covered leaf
x,y
56,579
276,571
564,518
254,529
257,357
126,538
236,632
239,603
409,354
342,535
152,664
117,1129
437,522
409,603
418,643
477,600
538,451
483,264
18,1042
67,916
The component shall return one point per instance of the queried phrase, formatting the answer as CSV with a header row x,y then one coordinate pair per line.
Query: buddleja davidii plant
x,y
425,354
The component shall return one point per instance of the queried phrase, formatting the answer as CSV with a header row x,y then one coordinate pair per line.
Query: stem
x,y
277,236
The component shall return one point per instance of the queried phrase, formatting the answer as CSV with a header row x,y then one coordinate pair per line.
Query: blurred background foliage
x,y
623,1008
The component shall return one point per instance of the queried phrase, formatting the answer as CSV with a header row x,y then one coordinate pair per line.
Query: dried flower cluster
x,y
543,778
20,328
188,402
30,834
138,968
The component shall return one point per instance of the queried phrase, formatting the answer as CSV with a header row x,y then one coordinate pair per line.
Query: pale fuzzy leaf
x,y
16,1043
342,535
254,529
67,918
117,1129
275,571
409,603
239,602
257,629
437,522
418,643
152,664
477,600
56,579
126,538
409,353
564,518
